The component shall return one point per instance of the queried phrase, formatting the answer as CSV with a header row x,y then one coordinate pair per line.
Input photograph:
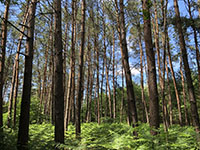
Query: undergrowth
x,y
107,136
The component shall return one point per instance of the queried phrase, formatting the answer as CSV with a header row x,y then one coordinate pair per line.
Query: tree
x,y
152,83
15,75
190,87
132,112
80,75
58,78
2,58
26,93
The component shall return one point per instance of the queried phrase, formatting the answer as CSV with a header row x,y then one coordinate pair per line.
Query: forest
x,y
99,74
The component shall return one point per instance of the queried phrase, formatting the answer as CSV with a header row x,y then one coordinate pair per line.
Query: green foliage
x,y
106,136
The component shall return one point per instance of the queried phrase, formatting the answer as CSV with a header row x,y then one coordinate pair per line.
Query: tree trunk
x,y
122,99
2,59
141,74
58,79
175,85
73,55
88,75
193,105
80,75
187,122
132,111
108,85
195,40
169,96
113,69
14,84
152,83
26,93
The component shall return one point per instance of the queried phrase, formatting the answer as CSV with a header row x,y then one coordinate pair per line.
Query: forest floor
x,y
106,136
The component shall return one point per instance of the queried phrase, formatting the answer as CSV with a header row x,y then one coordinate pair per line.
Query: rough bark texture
x,y
80,74
26,93
152,83
59,93
190,87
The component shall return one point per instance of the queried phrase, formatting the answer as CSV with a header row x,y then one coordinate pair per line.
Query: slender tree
x,y
2,58
26,93
80,75
58,79
14,84
152,83
190,87
141,73
132,112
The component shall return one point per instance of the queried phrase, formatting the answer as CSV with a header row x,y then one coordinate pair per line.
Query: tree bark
x,y
2,59
26,93
152,83
80,75
132,111
141,74
58,79
187,122
14,84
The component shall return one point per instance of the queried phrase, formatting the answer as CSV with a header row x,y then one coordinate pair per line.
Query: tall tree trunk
x,y
108,85
152,83
88,119
132,111
73,55
113,69
122,99
14,84
187,122
195,39
161,76
141,74
193,105
169,96
96,48
80,75
88,73
26,93
43,91
59,93
52,115
175,85
2,59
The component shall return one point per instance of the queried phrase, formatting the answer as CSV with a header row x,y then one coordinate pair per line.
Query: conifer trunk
x,y
190,87
26,93
152,83
58,79
80,74
2,58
